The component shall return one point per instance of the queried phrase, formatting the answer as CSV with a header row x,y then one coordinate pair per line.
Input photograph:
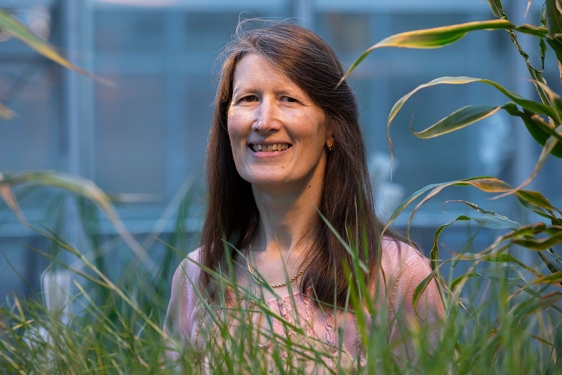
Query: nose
x,y
267,118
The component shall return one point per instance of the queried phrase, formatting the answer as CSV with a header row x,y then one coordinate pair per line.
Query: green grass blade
x,y
554,17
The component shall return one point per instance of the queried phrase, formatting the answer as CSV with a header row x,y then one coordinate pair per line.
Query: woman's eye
x,y
249,99
289,99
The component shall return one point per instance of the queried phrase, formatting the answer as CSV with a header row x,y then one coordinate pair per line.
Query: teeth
x,y
270,148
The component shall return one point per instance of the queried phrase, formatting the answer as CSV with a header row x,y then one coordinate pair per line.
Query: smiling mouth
x,y
270,148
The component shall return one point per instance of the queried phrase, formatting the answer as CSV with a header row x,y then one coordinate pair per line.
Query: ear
x,y
330,142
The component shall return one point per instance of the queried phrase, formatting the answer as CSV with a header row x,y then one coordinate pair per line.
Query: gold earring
x,y
330,146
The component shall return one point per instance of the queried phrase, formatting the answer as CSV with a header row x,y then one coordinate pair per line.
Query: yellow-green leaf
x,y
5,112
459,119
18,30
442,36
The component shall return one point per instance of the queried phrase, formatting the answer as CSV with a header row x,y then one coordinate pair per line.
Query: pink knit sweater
x,y
402,269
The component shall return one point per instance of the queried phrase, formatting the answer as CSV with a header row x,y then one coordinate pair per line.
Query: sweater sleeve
x,y
408,269
178,324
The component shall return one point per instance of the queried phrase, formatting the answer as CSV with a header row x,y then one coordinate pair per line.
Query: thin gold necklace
x,y
259,282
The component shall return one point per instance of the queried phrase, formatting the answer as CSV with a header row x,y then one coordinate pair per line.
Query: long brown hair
x,y
347,200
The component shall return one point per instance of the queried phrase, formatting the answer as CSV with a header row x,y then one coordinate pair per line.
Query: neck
x,y
287,218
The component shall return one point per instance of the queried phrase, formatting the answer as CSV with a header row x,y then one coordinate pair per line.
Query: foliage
x,y
503,316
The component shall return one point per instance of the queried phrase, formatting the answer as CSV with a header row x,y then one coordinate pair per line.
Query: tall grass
x,y
495,323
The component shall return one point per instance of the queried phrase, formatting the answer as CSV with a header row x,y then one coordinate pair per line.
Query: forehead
x,y
253,67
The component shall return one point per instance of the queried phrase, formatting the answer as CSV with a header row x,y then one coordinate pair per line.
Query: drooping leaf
x,y
555,102
85,188
18,30
489,219
5,112
536,199
525,103
421,287
540,244
430,38
9,198
508,258
539,129
547,149
459,119
463,278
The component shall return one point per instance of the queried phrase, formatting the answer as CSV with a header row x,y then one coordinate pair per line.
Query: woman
x,y
289,200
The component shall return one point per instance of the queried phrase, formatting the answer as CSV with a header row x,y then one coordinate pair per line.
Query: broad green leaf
x,y
87,189
18,30
536,199
442,36
457,120
5,112
554,16
539,129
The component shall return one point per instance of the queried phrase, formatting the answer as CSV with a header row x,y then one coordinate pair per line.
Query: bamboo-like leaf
x,y
540,244
539,129
497,8
85,188
555,102
547,149
554,17
442,36
421,287
525,103
489,219
459,119
536,199
18,30
5,112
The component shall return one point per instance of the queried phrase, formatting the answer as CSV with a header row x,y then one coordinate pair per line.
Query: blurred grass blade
x,y
457,120
18,30
88,189
554,278
5,112
555,102
442,36
9,198
524,309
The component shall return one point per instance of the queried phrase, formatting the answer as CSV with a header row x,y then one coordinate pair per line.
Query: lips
x,y
256,147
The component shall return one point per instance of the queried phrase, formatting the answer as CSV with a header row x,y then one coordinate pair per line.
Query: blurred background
x,y
147,136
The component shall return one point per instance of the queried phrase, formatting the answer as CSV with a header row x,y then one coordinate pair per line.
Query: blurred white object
x,y
388,195
56,292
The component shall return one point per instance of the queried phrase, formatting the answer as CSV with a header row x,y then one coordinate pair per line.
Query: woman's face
x,y
278,135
